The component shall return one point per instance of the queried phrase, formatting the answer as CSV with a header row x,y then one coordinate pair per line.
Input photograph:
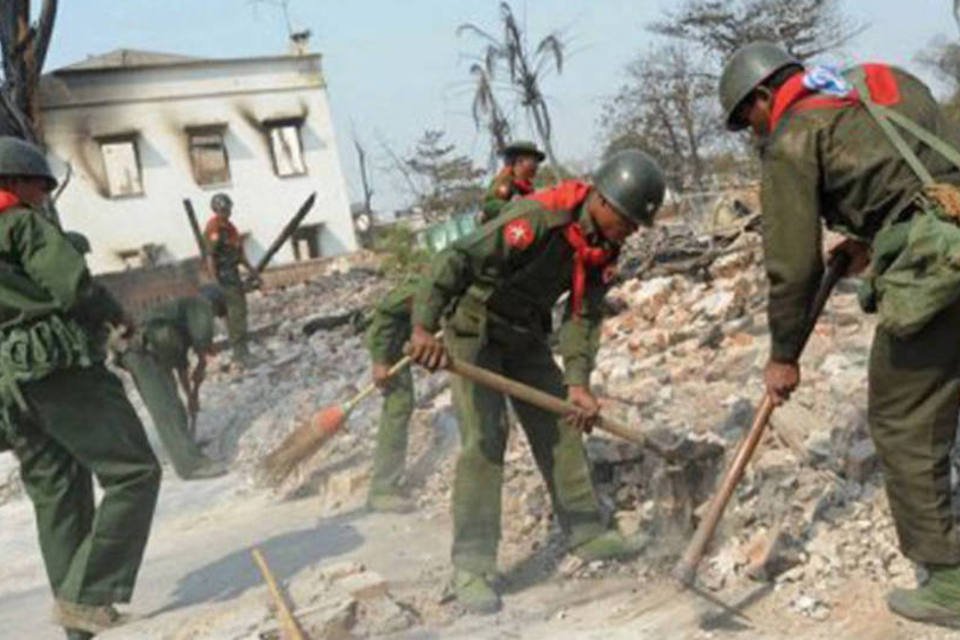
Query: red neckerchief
x,y
568,196
217,225
8,200
793,96
523,187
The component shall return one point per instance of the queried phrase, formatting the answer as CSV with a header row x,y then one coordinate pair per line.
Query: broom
x,y
309,437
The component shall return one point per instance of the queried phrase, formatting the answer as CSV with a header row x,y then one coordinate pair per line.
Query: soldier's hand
x,y
381,375
588,408
858,253
427,350
781,378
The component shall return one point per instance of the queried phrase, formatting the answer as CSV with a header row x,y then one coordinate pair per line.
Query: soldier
x,y
65,416
225,256
161,348
507,277
520,163
389,330
831,148
169,332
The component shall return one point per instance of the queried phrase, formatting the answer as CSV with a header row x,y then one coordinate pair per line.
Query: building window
x,y
286,147
121,163
208,155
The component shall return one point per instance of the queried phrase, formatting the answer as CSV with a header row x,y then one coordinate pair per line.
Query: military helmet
x,y
20,158
79,241
633,183
746,69
214,295
522,148
221,203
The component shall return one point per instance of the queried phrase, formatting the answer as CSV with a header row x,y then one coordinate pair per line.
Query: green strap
x,y
932,141
882,118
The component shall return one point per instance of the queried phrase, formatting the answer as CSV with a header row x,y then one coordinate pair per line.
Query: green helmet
x,y
79,241
522,148
221,203
214,295
20,158
632,182
746,69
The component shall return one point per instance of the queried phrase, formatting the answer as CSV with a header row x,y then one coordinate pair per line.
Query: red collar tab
x,y
566,196
796,95
8,200
584,257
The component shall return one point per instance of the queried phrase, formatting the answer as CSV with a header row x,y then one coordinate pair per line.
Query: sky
x,y
397,67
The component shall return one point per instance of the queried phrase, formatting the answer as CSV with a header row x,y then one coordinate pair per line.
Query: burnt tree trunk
x,y
23,46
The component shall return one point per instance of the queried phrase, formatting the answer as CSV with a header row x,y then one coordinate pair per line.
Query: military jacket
x,y
831,162
390,325
172,329
511,272
225,246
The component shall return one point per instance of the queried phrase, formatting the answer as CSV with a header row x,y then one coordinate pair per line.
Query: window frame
x,y
216,129
296,123
133,138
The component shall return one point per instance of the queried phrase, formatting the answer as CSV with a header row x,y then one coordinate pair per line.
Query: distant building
x,y
141,131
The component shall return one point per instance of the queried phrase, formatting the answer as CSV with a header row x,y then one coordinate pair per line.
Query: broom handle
x,y
362,395
686,568
545,401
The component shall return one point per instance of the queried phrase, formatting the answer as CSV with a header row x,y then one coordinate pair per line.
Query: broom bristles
x,y
302,443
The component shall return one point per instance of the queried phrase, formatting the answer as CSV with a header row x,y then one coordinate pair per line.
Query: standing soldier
x,y
225,255
832,148
169,332
507,277
65,416
520,163
389,331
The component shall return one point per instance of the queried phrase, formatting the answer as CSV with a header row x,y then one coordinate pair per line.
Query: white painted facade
x,y
158,101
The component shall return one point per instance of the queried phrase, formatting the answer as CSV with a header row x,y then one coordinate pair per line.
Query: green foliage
x,y
447,182
403,256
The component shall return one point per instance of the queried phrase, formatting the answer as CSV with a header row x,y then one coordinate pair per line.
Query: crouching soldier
x,y
507,277
168,334
869,152
65,416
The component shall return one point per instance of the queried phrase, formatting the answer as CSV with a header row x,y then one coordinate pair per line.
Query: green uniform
x,y
225,247
388,332
67,417
168,333
507,277
835,164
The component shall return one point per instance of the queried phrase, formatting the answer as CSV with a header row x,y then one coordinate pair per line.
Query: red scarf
x,y
523,187
793,96
567,196
8,200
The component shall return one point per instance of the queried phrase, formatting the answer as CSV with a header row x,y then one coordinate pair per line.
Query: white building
x,y
141,131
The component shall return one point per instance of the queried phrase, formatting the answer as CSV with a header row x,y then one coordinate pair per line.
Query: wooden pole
x,y
686,569
291,629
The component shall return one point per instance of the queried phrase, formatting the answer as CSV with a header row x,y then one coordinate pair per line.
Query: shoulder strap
x,y
885,117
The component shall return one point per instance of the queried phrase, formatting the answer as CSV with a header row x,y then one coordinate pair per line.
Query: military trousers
x,y
158,389
392,435
557,447
914,403
236,302
80,425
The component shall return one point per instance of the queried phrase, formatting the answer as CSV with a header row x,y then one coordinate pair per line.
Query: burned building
x,y
138,132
